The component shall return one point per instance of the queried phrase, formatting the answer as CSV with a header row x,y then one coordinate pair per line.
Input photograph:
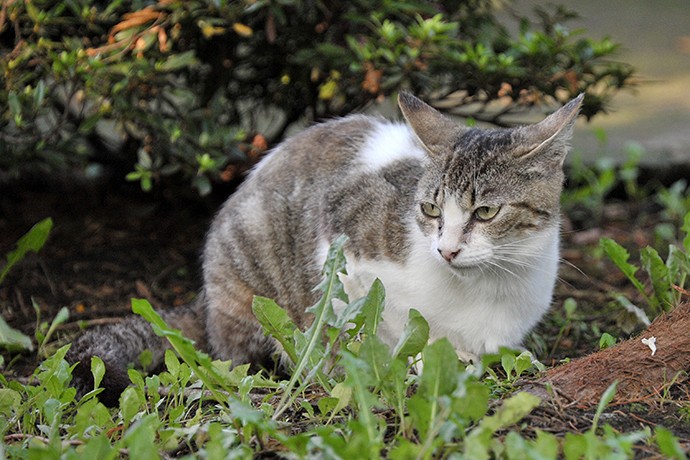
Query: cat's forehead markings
x,y
485,140
388,143
438,195
453,212
459,190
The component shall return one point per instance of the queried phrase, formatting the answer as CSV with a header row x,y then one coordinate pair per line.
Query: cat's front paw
x,y
417,364
467,357
352,285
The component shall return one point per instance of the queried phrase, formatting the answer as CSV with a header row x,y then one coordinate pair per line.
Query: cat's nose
x,y
448,255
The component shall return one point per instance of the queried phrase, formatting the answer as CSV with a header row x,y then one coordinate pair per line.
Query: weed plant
x,y
349,396
668,279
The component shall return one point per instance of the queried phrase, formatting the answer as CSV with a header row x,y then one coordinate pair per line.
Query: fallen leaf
x,y
651,343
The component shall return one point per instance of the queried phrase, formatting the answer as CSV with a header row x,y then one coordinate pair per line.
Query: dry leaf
x,y
228,174
209,30
259,142
163,44
271,32
372,79
242,30
506,90
135,19
3,17
651,343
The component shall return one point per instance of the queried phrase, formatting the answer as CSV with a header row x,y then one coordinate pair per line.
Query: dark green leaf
x,y
364,313
659,274
441,365
277,323
130,404
33,240
669,444
141,436
620,256
414,337
98,370
39,93
12,338
471,401
98,447
199,362
10,401
178,61
510,412
686,230
378,357
606,398
606,341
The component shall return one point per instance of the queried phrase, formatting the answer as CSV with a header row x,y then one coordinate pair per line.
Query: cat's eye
x,y
431,209
486,212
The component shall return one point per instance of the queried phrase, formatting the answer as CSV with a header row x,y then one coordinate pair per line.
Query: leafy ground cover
x,y
350,397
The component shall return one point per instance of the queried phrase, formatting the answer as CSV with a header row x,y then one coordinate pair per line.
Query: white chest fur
x,y
478,313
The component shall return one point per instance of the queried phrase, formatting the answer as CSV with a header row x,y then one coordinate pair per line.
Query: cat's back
x,y
328,173
353,176
357,144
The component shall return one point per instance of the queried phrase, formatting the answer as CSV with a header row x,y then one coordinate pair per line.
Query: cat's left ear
x,y
437,133
552,134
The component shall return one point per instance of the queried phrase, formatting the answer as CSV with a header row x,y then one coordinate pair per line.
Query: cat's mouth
x,y
467,263
465,269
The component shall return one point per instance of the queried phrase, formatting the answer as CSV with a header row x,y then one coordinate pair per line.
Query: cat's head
x,y
489,198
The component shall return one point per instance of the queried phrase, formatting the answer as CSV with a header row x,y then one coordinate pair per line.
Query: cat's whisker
x,y
572,265
564,282
527,256
522,264
503,269
491,269
519,242
524,252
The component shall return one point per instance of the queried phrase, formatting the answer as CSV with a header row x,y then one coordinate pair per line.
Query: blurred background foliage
x,y
168,91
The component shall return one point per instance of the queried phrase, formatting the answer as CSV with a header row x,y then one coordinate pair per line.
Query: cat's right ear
x,y
437,133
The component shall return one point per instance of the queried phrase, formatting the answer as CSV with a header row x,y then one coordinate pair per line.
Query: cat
x,y
459,223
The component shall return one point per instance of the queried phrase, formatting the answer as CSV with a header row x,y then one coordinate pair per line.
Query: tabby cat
x,y
460,223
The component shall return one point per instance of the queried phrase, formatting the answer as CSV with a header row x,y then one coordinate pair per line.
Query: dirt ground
x,y
107,247
103,250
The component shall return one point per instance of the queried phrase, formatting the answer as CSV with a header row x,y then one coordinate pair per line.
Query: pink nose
x,y
448,255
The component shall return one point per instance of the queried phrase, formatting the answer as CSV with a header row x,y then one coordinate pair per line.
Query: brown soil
x,y
103,250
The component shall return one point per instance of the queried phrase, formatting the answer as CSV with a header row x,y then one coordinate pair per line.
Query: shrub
x,y
198,89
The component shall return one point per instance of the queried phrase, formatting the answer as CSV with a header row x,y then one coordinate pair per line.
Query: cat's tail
x,y
120,345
